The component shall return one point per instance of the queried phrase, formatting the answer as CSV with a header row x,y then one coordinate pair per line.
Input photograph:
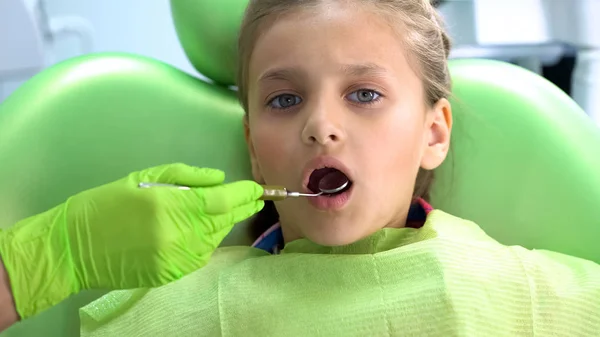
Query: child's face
x,y
348,94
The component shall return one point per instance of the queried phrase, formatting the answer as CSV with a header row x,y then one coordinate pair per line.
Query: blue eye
x,y
364,96
285,101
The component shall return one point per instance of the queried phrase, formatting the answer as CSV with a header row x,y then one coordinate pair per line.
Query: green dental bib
x,y
446,279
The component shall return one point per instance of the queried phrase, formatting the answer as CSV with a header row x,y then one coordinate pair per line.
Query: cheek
x,y
271,149
394,154
395,145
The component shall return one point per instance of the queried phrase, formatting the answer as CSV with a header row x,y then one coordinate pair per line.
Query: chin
x,y
332,236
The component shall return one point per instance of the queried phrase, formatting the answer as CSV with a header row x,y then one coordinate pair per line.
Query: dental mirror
x,y
332,183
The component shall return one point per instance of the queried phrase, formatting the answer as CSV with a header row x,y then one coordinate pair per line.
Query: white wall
x,y
136,26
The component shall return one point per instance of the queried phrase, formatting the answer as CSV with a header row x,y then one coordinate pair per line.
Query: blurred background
x,y
558,39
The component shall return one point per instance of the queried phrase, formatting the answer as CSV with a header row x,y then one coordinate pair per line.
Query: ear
x,y
437,137
256,174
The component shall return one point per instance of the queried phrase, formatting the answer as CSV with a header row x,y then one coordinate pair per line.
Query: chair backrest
x,y
524,166
525,161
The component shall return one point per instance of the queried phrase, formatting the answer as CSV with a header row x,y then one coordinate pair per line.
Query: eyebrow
x,y
279,74
365,69
354,70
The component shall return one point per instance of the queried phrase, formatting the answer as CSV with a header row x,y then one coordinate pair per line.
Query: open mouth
x,y
330,181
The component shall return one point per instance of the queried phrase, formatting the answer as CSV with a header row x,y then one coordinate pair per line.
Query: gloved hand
x,y
120,236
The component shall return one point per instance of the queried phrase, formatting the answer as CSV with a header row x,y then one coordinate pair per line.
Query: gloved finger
x,y
225,198
223,223
221,235
186,175
191,261
243,212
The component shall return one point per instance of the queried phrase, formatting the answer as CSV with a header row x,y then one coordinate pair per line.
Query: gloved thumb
x,y
182,174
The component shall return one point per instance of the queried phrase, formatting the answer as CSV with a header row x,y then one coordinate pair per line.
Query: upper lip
x,y
322,162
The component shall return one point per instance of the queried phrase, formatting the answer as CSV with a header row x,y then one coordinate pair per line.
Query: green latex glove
x,y
120,236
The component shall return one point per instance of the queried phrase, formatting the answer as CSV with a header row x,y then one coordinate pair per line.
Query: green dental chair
x,y
525,162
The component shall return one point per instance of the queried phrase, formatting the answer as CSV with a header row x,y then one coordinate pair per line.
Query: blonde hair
x,y
424,36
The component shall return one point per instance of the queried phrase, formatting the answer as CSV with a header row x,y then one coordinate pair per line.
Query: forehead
x,y
327,38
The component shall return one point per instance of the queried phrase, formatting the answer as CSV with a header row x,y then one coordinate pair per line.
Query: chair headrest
x,y
208,32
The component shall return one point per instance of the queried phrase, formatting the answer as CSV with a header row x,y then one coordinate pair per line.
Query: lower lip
x,y
328,203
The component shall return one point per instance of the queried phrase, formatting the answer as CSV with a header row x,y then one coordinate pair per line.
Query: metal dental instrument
x,y
148,185
274,193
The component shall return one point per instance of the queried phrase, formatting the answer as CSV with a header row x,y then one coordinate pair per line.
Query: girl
x,y
358,87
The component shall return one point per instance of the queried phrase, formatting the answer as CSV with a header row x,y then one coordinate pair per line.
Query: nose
x,y
324,125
